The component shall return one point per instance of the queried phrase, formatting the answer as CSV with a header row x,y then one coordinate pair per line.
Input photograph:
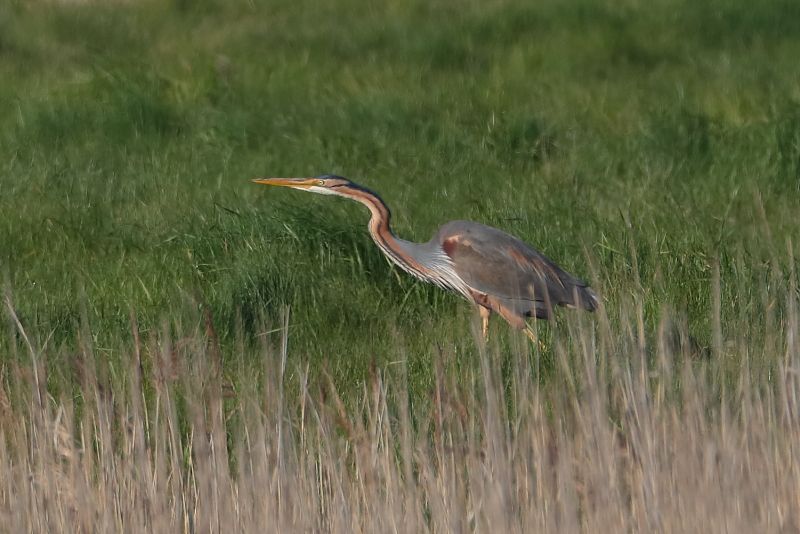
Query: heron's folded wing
x,y
498,264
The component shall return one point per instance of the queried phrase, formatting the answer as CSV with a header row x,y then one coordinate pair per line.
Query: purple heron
x,y
490,268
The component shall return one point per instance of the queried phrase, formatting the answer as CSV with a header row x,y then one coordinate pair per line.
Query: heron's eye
x,y
320,182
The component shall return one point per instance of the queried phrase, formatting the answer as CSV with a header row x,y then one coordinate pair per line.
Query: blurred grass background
x,y
636,143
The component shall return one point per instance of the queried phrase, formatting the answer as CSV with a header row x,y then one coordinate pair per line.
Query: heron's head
x,y
327,184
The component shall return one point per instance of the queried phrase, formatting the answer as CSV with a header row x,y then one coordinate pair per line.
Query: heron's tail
x,y
588,298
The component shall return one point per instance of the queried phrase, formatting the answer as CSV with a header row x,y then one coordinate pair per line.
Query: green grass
x,y
634,143
181,349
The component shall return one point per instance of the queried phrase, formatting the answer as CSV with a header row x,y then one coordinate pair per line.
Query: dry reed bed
x,y
631,434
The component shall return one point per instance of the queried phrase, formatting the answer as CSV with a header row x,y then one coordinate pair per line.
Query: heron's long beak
x,y
297,183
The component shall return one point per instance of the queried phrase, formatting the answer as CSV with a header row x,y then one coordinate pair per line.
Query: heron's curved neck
x,y
398,250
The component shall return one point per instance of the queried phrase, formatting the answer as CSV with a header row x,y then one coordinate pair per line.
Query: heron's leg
x,y
533,337
485,313
514,319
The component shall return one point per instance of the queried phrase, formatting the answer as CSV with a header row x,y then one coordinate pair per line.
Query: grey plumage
x,y
503,267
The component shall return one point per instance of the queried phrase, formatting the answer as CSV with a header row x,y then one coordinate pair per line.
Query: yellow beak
x,y
297,183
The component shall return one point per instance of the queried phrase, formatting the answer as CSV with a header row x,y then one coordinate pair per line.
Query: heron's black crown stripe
x,y
355,186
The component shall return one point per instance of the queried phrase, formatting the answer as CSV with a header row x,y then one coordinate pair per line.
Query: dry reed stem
x,y
626,437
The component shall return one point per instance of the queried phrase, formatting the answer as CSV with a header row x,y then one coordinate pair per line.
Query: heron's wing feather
x,y
497,264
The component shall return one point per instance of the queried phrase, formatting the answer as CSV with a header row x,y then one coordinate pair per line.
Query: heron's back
x,y
497,264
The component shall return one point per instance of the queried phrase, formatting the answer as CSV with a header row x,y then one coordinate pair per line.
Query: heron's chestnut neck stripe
x,y
381,232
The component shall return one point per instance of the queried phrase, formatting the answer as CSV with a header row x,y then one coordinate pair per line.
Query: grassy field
x,y
652,148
